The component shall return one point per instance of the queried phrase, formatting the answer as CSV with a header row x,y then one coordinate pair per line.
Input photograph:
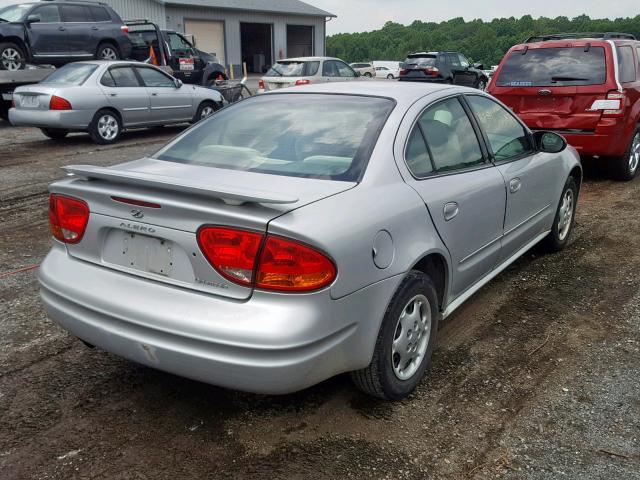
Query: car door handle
x,y
62,29
113,94
94,28
154,94
450,210
514,185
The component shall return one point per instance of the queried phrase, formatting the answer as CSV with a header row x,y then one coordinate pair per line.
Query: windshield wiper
x,y
568,79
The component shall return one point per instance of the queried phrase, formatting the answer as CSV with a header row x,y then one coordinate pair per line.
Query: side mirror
x,y
549,142
33,19
479,66
177,82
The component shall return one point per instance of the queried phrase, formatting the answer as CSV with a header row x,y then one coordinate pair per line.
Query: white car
x,y
293,72
384,72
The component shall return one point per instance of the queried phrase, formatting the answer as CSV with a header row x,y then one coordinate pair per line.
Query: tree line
x,y
483,42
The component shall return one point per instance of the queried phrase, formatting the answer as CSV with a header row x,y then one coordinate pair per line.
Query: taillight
x,y
283,264
231,252
261,84
287,265
431,71
68,218
124,28
403,71
303,81
615,96
59,103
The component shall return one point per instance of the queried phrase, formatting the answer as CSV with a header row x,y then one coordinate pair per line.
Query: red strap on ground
x,y
20,270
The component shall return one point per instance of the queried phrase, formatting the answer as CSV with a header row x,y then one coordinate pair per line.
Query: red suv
x,y
585,87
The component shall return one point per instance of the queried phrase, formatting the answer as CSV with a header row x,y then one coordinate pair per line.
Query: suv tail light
x,y
431,71
403,71
303,81
261,84
124,28
615,95
59,103
267,262
68,218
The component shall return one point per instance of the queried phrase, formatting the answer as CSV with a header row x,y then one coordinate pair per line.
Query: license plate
x,y
29,101
148,254
186,64
7,96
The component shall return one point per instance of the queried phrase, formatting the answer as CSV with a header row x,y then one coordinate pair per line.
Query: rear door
x,y
124,90
48,37
168,103
532,178
78,21
555,87
464,192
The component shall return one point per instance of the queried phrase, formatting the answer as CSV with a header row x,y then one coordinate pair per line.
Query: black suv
x,y
443,67
59,32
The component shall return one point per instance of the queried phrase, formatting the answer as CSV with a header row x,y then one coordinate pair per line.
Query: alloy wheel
x,y
566,215
411,337
206,111
634,156
108,53
108,127
11,59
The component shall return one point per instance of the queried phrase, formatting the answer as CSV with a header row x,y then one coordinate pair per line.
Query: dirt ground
x,y
537,377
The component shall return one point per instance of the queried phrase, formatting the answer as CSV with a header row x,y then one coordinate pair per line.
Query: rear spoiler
x,y
229,194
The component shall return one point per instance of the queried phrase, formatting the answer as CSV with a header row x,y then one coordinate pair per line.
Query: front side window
x,y
450,140
507,137
345,70
553,67
330,69
47,14
464,63
454,59
154,78
626,64
179,43
318,136
124,77
76,14
71,74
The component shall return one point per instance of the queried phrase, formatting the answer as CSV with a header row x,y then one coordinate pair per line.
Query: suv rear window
x,y
546,67
426,61
293,69
300,135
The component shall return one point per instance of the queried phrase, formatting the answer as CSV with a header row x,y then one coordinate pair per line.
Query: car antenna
x,y
587,47
526,49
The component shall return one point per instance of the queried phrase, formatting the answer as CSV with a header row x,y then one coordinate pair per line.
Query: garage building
x,y
257,32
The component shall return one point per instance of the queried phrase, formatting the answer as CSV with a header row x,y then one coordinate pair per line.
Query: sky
x,y
365,15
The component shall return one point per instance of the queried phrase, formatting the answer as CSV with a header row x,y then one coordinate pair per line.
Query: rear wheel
x,y
405,342
626,167
55,133
390,76
105,127
560,233
11,57
107,51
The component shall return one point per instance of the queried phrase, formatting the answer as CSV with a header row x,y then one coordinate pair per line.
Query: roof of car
x,y
306,59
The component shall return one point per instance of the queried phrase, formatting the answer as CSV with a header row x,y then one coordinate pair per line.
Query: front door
x,y
125,92
48,36
531,178
464,192
168,103
462,75
337,71
184,60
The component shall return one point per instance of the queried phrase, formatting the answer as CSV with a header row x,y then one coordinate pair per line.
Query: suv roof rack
x,y
79,1
563,36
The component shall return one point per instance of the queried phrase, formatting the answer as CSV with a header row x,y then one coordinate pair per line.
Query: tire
x,y
107,51
564,220
106,127
11,57
54,133
368,75
625,168
448,81
389,376
481,84
390,77
205,109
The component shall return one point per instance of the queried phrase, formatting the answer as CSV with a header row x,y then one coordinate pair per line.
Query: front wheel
x,y
368,75
206,109
405,342
626,167
54,133
560,233
105,128
11,57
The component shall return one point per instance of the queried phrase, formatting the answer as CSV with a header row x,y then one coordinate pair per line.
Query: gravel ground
x,y
536,377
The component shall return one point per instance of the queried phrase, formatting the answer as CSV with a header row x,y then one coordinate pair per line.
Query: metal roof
x,y
292,7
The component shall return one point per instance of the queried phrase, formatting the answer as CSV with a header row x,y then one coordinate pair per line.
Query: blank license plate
x,y
148,254
29,101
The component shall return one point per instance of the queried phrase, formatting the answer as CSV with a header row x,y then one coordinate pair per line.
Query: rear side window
x,y
47,14
547,67
75,13
124,77
100,14
626,64
328,137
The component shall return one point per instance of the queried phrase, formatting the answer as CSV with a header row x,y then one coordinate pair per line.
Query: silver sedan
x,y
104,98
297,235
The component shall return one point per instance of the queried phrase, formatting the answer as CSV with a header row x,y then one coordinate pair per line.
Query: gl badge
x,y
137,214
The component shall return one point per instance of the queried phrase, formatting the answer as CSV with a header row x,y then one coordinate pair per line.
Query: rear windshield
x,y
546,67
72,74
429,61
293,69
302,135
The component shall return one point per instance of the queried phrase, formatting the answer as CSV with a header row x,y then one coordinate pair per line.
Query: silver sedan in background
x,y
104,98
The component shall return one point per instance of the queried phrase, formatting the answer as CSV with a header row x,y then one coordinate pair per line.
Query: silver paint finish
x,y
411,337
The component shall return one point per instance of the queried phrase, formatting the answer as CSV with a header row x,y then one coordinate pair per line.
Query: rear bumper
x,y
271,343
422,80
65,119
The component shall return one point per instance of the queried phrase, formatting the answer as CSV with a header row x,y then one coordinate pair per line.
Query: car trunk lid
x,y
145,216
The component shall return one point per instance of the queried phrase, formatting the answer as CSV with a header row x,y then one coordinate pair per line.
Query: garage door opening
x,y
257,46
299,41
